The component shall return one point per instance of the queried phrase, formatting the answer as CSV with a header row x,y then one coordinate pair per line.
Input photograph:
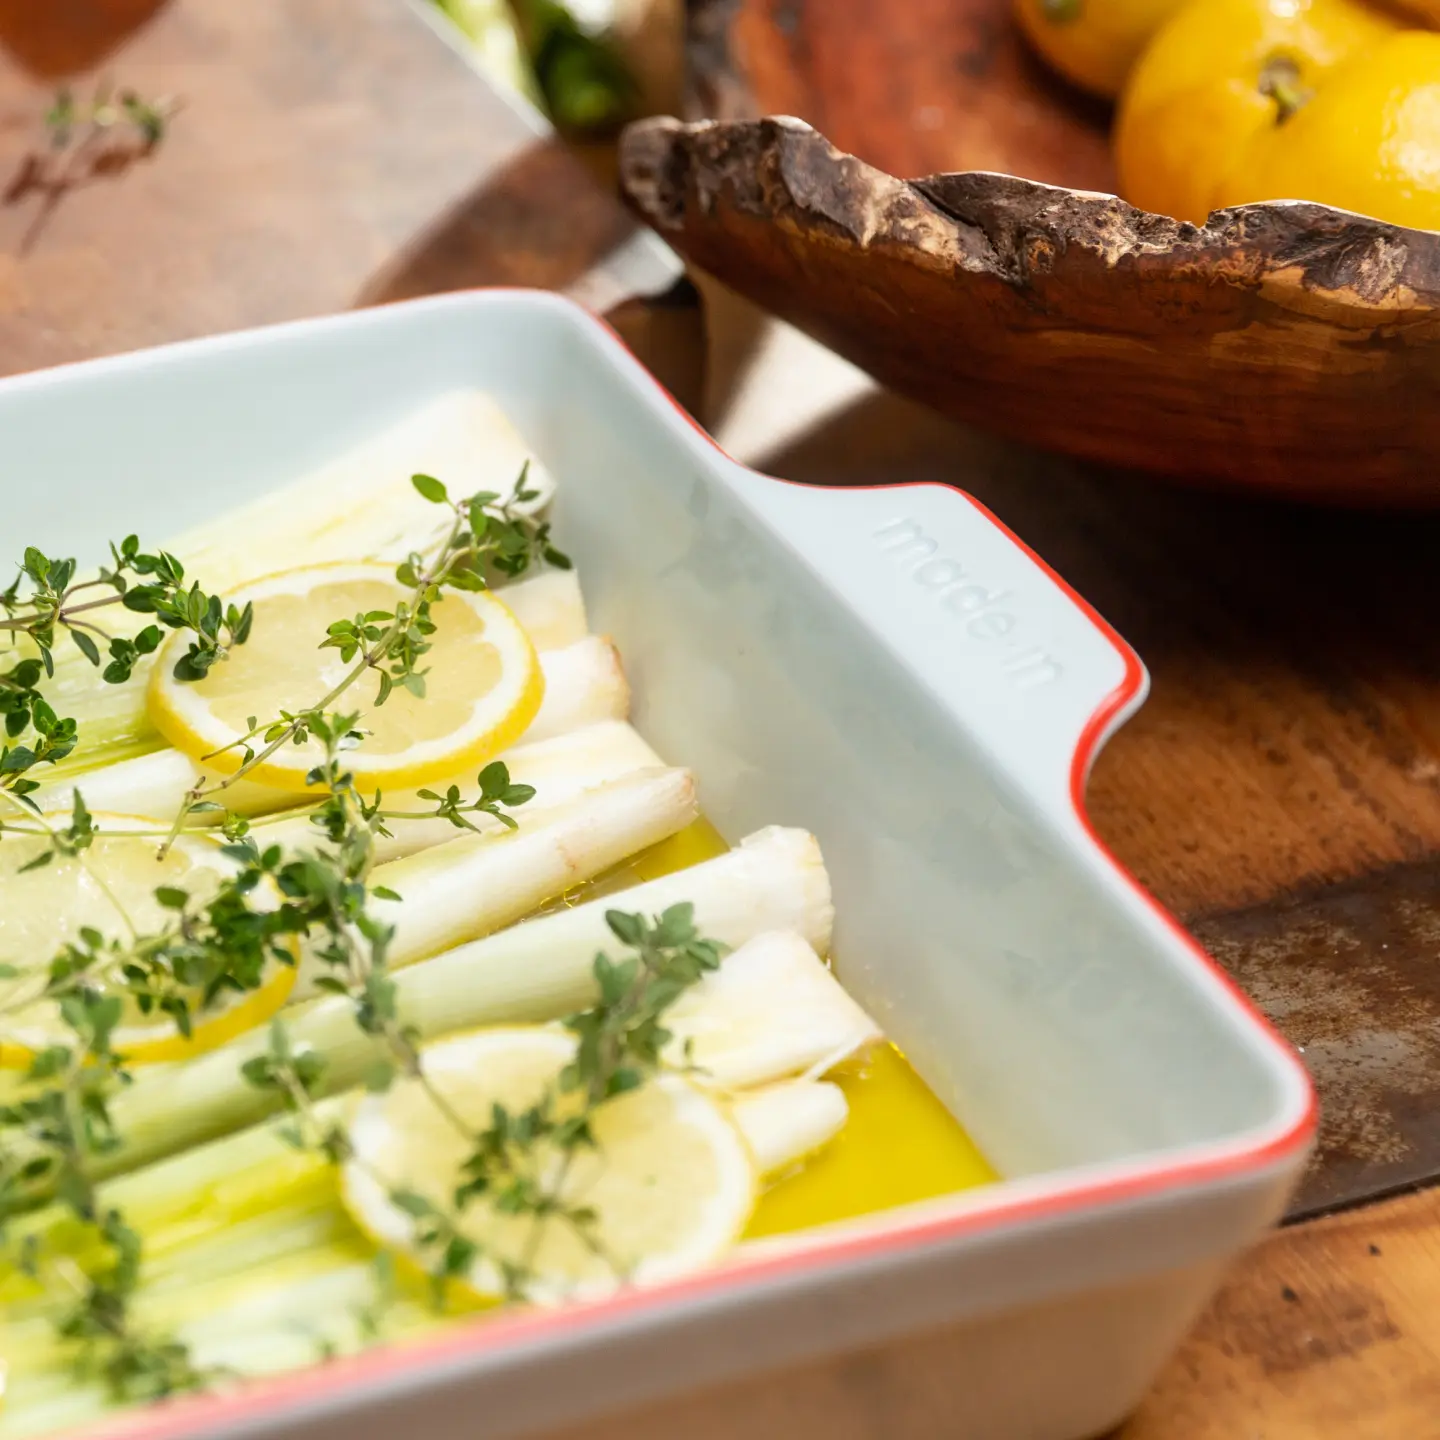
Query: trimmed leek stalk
x,y
550,608
250,1257
583,682
154,786
115,727
559,769
787,1122
213,1191
774,880
726,1021
362,504
477,884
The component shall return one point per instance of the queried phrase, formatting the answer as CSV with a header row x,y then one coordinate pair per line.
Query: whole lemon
x,y
1367,140
1093,42
1221,81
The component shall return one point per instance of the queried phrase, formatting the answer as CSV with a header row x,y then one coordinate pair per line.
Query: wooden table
x,y
1280,791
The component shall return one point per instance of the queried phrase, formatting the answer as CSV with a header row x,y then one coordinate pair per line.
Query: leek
x,y
725,1024
774,880
558,769
115,727
786,1122
252,1261
584,687
230,1191
360,506
584,684
477,884
550,607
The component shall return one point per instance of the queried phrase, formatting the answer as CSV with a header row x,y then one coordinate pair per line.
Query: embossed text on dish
x,y
961,594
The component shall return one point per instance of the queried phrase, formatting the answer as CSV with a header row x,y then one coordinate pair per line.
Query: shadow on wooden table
x,y
51,39
537,219
540,220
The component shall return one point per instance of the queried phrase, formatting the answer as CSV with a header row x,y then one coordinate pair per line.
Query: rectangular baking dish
x,y
889,668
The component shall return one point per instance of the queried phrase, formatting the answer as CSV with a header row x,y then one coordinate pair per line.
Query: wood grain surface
x,y
918,88
1327,1330
327,153
1282,346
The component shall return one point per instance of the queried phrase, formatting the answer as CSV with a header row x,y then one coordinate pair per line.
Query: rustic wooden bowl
x,y
1286,346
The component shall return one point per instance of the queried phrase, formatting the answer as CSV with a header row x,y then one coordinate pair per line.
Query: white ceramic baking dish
x,y
889,668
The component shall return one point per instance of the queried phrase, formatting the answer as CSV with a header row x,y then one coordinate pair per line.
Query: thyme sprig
x,y
64,1119
41,601
620,1045
71,121
210,947
512,1156
484,534
45,601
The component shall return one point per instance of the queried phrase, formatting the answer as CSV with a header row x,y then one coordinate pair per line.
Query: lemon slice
x,y
483,683
671,1181
44,909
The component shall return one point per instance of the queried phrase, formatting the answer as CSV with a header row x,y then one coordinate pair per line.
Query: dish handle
x,y
1027,666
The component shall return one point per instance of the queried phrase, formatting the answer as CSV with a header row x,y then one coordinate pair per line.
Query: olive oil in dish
x,y
899,1145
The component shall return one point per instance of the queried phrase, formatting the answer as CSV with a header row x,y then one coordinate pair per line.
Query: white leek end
x,y
772,1009
550,607
538,970
784,1124
775,879
477,884
584,684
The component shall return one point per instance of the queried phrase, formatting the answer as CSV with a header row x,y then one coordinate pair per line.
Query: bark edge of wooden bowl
x,y
1286,346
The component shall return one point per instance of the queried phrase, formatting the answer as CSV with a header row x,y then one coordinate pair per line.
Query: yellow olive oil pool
x,y
900,1143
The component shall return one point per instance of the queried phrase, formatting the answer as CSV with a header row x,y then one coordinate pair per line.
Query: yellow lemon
x,y
1093,42
110,889
670,1181
482,682
1223,86
1368,140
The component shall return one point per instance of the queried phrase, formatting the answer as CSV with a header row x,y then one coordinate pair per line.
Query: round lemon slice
x,y
671,1182
482,681
108,888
